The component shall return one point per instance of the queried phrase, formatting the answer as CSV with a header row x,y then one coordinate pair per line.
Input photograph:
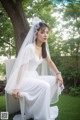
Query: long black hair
x,y
41,27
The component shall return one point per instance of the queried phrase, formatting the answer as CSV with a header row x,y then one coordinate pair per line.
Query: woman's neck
x,y
38,44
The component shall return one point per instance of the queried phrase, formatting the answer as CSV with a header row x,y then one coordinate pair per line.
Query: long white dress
x,y
38,90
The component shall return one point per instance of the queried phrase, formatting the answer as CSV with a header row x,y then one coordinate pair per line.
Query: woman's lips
x,y
45,38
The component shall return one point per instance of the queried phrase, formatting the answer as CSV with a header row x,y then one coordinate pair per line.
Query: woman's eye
x,y
42,32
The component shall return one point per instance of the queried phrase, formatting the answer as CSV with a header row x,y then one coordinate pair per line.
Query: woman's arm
x,y
55,69
52,65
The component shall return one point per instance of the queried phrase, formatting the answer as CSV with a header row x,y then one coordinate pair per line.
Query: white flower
x,y
36,20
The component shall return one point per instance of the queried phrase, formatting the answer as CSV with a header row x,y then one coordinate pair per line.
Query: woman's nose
x,y
45,34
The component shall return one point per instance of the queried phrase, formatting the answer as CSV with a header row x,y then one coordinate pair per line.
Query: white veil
x,y
42,69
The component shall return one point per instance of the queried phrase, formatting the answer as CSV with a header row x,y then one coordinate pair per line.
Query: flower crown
x,y
35,23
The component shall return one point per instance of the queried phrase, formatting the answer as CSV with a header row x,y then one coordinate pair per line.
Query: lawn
x,y
69,107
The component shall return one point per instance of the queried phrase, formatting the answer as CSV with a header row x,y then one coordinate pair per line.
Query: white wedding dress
x,y
39,90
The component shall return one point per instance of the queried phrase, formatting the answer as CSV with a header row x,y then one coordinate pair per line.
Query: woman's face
x,y
42,35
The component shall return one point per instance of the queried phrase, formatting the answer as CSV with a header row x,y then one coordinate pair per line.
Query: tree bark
x,y
15,11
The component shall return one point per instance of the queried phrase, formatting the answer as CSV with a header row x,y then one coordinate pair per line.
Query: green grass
x,y
69,107
2,103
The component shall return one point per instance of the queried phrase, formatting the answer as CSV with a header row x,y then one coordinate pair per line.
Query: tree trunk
x,y
15,11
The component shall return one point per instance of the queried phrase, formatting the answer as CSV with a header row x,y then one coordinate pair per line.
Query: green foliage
x,y
69,63
7,42
74,91
71,47
72,11
42,9
55,44
71,15
2,69
31,8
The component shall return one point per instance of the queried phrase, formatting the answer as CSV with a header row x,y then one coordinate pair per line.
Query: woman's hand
x,y
16,93
59,79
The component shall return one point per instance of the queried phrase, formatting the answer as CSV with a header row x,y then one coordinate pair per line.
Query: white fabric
x,y
18,117
53,112
39,90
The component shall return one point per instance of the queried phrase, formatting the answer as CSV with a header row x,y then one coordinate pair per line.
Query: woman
x,y
39,90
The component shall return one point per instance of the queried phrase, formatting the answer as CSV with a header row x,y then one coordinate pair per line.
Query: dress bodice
x,y
34,62
34,59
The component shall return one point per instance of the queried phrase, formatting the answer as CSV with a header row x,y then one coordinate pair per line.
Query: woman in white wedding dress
x,y
39,90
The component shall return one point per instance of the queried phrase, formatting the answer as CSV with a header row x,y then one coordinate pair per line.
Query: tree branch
x,y
8,43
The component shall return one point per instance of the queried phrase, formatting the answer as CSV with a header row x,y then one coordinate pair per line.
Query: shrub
x,y
74,91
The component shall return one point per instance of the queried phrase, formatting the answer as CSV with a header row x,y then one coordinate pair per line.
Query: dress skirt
x,y
39,91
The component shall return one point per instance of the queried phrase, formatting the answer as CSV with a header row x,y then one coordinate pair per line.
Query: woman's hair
x,y
42,26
